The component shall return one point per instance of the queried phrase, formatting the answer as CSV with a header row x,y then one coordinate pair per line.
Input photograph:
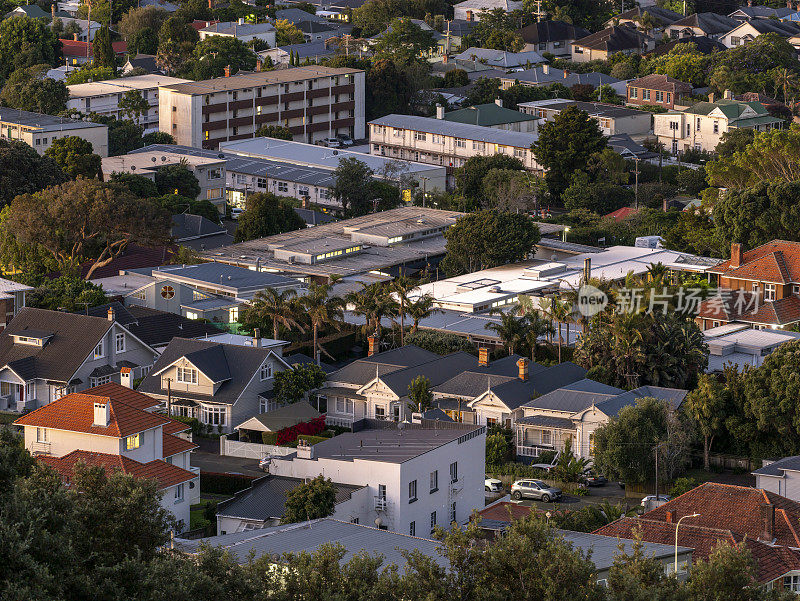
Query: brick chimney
x,y
736,254
711,97
227,70
665,205
111,314
102,413
373,345
566,73
126,377
53,11
669,517
483,356
74,37
728,95
258,65
210,5
767,522
256,337
523,369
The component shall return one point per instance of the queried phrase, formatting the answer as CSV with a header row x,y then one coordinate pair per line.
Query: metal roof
x,y
260,78
43,122
605,549
220,275
458,130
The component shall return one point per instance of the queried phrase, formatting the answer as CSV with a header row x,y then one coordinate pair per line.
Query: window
x,y
38,141
792,583
99,381
133,441
212,193
398,132
591,444
477,145
382,491
140,294
542,45
41,435
796,289
179,493
303,191
119,343
673,125
698,124
547,437
559,44
167,292
192,315
261,182
420,136
99,351
412,529
460,143
735,41
187,375
233,314
519,153
454,471
669,97
214,173
412,491
213,415
283,187
659,96
433,521
634,92
769,292
645,94
578,50
453,512
380,412
266,371
434,481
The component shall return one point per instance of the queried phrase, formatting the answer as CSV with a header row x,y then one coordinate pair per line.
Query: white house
x,y
419,476
115,428
242,31
750,30
781,477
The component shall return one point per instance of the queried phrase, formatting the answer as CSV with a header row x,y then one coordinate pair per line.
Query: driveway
x,y
214,462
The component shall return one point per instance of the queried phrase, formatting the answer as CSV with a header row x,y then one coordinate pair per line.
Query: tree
x,y
104,55
565,145
511,330
287,33
323,310
144,41
123,134
274,131
470,177
177,204
176,30
513,191
65,293
138,185
536,327
600,197
419,394
374,302
488,238
707,406
89,73
86,220
25,42
684,62
441,343
637,576
387,89
455,78
420,308
728,574
497,449
560,312
75,156
750,64
28,90
157,137
138,19
267,215
293,385
353,187
213,54
277,307
177,179
134,106
24,171
404,43
503,39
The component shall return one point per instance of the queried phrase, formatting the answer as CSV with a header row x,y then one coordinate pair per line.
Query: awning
x,y
546,421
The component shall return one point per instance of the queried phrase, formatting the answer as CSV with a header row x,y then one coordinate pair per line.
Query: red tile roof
x,y
665,83
777,261
621,214
505,512
172,445
118,392
198,25
76,48
162,472
741,306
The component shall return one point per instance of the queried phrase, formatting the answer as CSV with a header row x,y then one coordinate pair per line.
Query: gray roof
x,y
612,406
144,61
459,130
613,39
73,337
538,76
777,468
186,226
310,49
312,217
784,29
605,548
363,370
287,415
625,145
241,363
663,15
296,15
499,58
43,122
313,27
515,393
211,361
598,109
265,498
211,304
708,22
309,536
547,421
437,371
237,29
575,397
477,380
551,31
34,11
223,275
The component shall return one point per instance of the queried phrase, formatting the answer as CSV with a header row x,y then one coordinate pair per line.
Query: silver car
x,y
534,489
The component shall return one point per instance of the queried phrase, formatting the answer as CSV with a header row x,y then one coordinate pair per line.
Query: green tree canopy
x,y
65,293
157,137
292,385
75,156
455,78
470,176
274,131
488,238
138,19
89,72
310,501
600,197
216,52
176,204
287,33
133,105
419,394
441,343
387,89
683,62
24,171
25,42
177,179
266,215
104,55
28,89
404,42
138,185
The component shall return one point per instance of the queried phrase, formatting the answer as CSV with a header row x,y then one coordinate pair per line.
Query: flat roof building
x,y
612,118
314,102
39,130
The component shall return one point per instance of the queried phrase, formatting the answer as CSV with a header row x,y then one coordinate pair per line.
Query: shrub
x,y
269,438
497,449
192,422
682,485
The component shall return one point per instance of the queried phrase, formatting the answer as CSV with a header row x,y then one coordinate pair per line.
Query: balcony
x,y
381,504
40,448
533,450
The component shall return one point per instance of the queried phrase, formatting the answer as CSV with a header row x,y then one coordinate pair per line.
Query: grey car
x,y
534,489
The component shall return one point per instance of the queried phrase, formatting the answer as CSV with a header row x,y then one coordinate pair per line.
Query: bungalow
x,y
12,299
657,90
242,31
750,30
554,37
634,17
602,44
710,25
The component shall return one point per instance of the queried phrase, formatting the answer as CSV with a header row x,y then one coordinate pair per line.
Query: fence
x,y
729,462
250,450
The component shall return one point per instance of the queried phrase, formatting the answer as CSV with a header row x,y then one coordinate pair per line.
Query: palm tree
x,y
511,330
374,302
536,327
420,308
785,80
560,312
402,286
628,343
278,307
322,310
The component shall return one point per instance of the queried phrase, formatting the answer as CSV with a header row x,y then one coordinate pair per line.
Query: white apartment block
x,y
103,97
440,142
419,477
40,131
313,102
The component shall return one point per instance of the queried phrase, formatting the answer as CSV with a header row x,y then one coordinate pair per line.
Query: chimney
x,y
444,59
669,517
304,449
210,5
736,254
498,102
304,202
373,345
728,95
227,70
750,3
111,314
257,337
74,37
546,69
241,20
483,356
711,97
523,369
587,270
126,377
102,413
258,65
664,205
566,73
439,111
767,522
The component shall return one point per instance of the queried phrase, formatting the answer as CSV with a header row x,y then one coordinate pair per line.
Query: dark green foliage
x,y
29,90
103,51
265,215
309,501
469,177
441,343
75,156
488,238
213,54
23,171
140,186
144,41
123,134
177,179
498,450
176,204
25,42
692,181
292,385
419,394
274,131
223,484
600,197
157,137
455,78
734,140
387,90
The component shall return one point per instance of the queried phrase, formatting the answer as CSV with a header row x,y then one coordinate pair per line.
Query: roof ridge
x,y
789,524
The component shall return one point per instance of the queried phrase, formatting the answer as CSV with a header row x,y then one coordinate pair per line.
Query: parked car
x,y
264,463
648,498
493,485
330,142
592,479
235,212
534,489
345,140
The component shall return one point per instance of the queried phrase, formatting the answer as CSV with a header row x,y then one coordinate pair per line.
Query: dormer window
x,y
99,351
266,371
187,375
134,441
119,343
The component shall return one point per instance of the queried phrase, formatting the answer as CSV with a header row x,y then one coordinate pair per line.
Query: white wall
x,y
788,487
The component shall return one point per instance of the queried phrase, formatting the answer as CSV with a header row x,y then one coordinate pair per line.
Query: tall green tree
x,y
266,215
103,50
213,54
24,171
75,156
404,42
177,179
374,302
293,385
471,175
25,42
387,89
134,106
310,501
322,310
707,406
420,397
353,187
278,308
510,329
28,89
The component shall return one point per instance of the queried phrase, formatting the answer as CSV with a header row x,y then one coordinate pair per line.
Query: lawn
x,y
198,515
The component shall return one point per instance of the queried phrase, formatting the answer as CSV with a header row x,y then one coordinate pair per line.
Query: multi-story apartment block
x,y
440,142
702,126
40,131
103,97
313,102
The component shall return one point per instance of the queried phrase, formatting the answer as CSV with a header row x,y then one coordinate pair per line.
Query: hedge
x,y
223,484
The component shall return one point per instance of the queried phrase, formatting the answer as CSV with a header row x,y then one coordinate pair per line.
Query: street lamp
x,y
678,525
566,229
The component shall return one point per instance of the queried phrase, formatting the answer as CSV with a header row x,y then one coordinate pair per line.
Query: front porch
x,y
536,434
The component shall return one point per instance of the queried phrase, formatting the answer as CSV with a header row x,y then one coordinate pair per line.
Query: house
x,y
573,412
219,384
47,354
703,45
39,130
198,232
657,90
750,30
114,427
12,300
711,25
308,537
662,16
613,119
554,37
470,10
80,52
33,11
615,39
781,476
544,75
241,30
262,505
494,115
142,61
312,51
419,476
739,344
499,59
702,125
317,32
750,12
763,521
280,418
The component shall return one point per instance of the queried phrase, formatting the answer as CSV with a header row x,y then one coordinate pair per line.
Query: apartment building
x,y
613,119
39,131
313,102
103,97
702,126
441,142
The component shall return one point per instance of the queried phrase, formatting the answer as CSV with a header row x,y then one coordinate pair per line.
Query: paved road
x,y
213,462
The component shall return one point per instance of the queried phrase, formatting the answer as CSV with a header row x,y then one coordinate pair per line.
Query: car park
x,y
536,490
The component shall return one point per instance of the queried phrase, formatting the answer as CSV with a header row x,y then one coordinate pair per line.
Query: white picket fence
x,y
250,450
